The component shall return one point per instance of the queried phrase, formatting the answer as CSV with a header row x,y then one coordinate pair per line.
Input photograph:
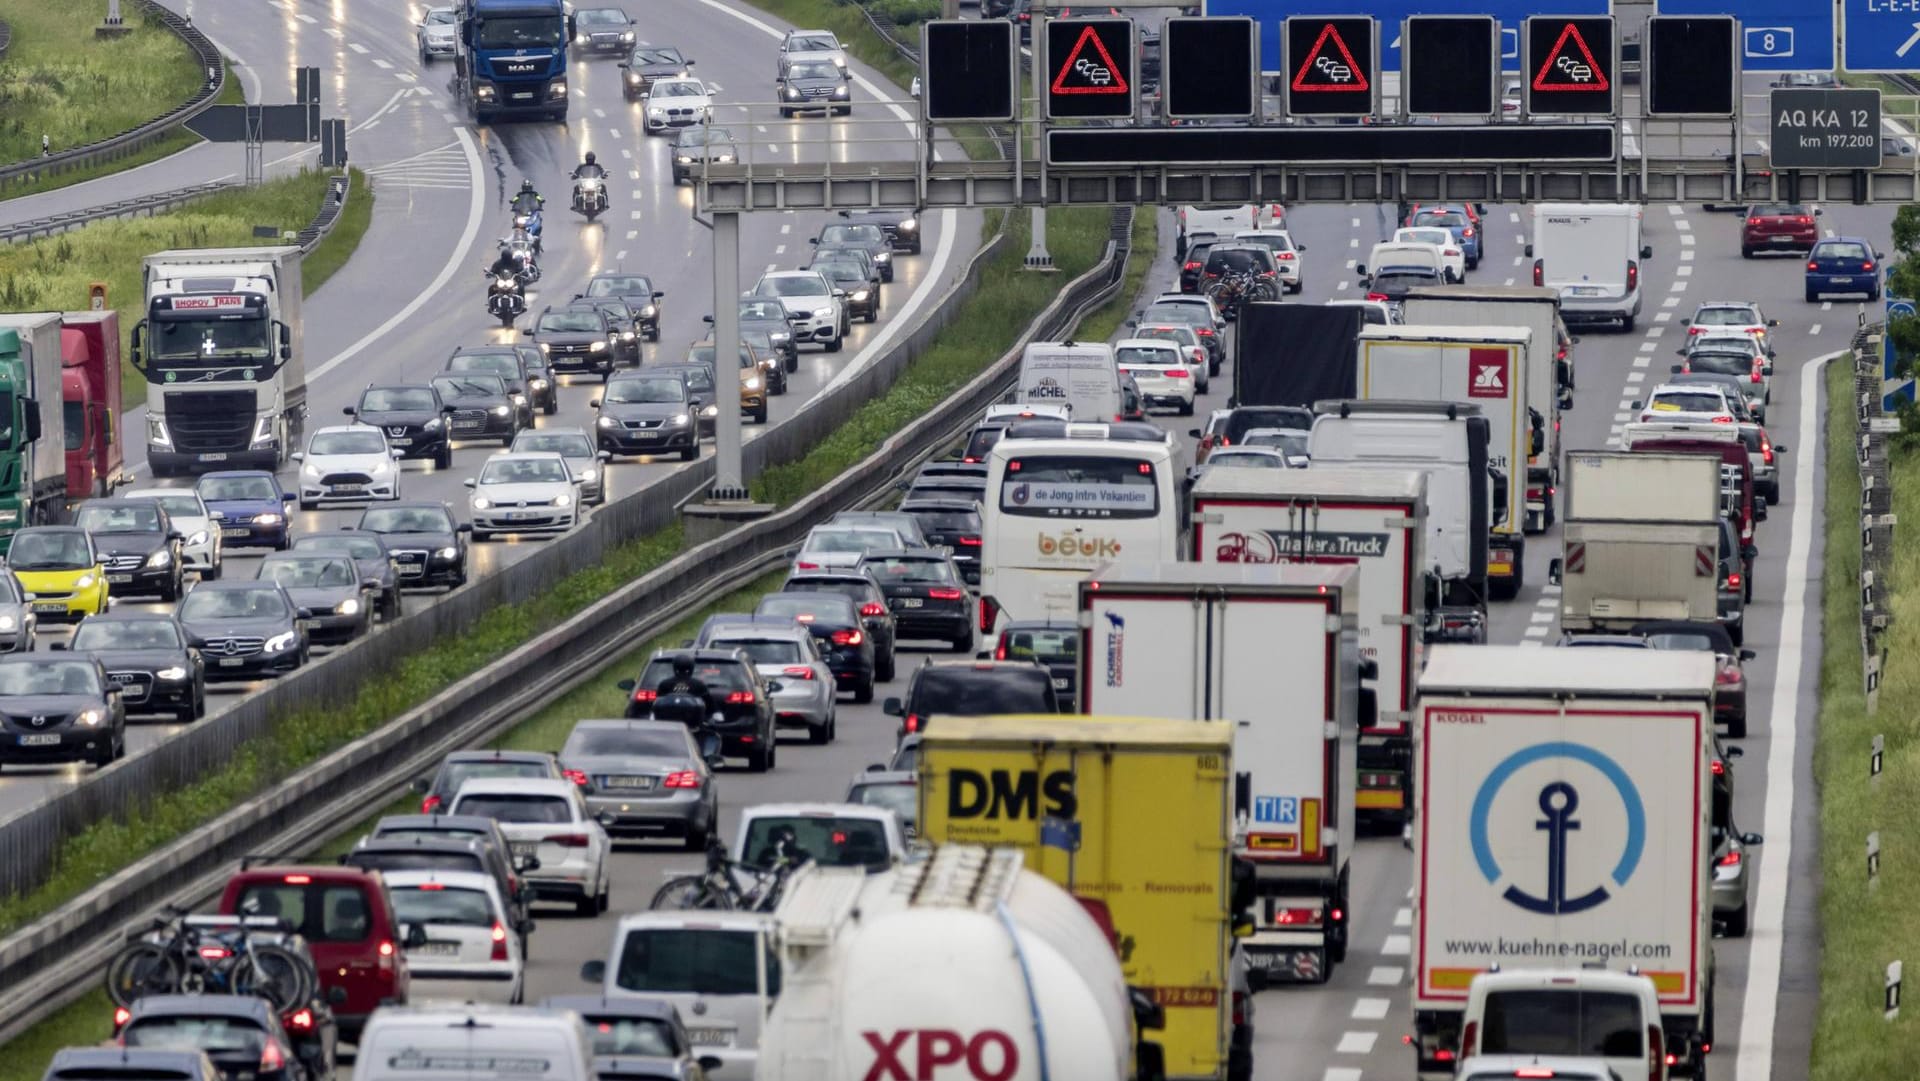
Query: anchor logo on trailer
x,y
1559,804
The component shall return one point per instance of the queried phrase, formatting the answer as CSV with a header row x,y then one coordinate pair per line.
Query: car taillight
x,y
685,778
1469,1039
577,776
873,609
213,953
1656,1052
645,695
1718,767
969,542
1804,220
1691,331
913,722
1444,1054
1290,916
1756,377
1204,332
1285,256
300,1020
121,1015
297,880
1539,272
1376,296
1731,859
567,840
796,671
1868,265
430,805
1766,450
1811,265
1000,650
1533,1071
1731,673
1179,373
1723,419
1191,266
740,698
944,593
272,1059
1733,580
499,944
1467,232
848,638
1633,275
807,565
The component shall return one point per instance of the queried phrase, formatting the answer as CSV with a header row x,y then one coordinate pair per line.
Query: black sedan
x,y
429,546
902,227
637,290
577,338
834,621
768,315
479,406
137,545
245,629
646,412
625,324
735,692
63,710
370,557
329,588
146,655
524,383
412,415
861,235
863,295
813,84
928,596
603,30
869,600
702,146
649,62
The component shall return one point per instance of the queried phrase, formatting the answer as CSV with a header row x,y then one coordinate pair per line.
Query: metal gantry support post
x,y
728,481
1038,257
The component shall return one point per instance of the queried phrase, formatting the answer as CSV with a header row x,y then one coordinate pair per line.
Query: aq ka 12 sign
x,y
1824,129
1090,69
1570,66
970,69
1332,66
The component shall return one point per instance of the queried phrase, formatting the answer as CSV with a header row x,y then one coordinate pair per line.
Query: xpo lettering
x,y
1004,793
914,1054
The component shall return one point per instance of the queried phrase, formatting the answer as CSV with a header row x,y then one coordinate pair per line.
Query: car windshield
x,y
1683,641
215,604
1436,217
397,400
678,89
418,860
604,16
310,573
1529,1022
897,571
699,377
434,902
832,840
514,807
658,390
898,797
1236,259
657,56
177,502
1739,364
849,540
852,234
792,285
608,739
969,692
364,441
812,43
813,69
1245,459
806,609
1048,645
763,309
524,471
213,489
1190,314
840,270
1726,317
569,322
519,32
718,676
181,1032
650,1037
473,385
10,592
1141,356
703,961
1287,442
33,551
456,773
764,650
49,677
567,444
619,285
123,518
703,137
439,17
1779,210
1424,236
1404,277
406,520
963,521
1682,401
1840,250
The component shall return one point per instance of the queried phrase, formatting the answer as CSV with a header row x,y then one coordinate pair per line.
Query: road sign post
x,y
1824,129
1880,36
1331,66
1572,66
1775,35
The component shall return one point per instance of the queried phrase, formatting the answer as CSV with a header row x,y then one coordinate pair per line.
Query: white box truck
x,y
1590,253
1477,365
1373,520
1641,540
1549,372
221,347
1563,814
33,455
1214,642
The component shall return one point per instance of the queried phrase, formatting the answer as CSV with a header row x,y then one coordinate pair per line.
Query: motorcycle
x,y
505,300
529,222
590,196
522,250
694,712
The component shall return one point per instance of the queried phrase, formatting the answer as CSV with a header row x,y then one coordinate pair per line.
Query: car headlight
x,y
710,411
281,642
266,519
579,39
840,62
883,257
752,384
793,93
842,94
537,384
432,425
91,718
160,558
678,420
348,607
481,502
518,398
908,225
779,336
563,500
649,312
171,675
446,553
310,470
157,432
656,110
557,89
626,335
633,77
199,538
609,422
9,623
859,294
85,581
589,475
682,159
502,410
597,347
484,91
628,36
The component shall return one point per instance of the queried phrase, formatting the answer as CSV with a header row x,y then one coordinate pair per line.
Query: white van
x,y
1389,256
1582,1012
1591,253
1081,375
473,1043
719,969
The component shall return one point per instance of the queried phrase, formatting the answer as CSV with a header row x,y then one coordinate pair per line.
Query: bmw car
x,y
675,103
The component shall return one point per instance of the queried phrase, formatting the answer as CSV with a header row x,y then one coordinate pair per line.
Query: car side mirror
x,y
1646,251
1766,370
527,863
1781,448
1637,404
706,319
1734,752
1879,255
1752,839
470,482
304,613
397,454
1773,322
348,410
298,455
594,971
658,293
893,707
1678,368
172,536
605,455
420,785
605,818
286,497
1553,571
1817,212
593,403
1360,269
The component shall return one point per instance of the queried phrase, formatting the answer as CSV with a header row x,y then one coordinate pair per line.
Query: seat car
x,y
835,623
350,464
1052,643
972,689
146,655
955,525
647,412
247,629
643,779
59,710
1164,371
1843,265
741,703
329,588
413,417
137,544
603,30
647,64
638,291
479,406
1287,255
470,951
249,505
458,767
815,309
925,592
523,493
434,34
241,1034
636,1037
830,834
674,103
785,653
1778,227
429,546
698,147
869,600
719,968
200,546
894,790
548,821
578,339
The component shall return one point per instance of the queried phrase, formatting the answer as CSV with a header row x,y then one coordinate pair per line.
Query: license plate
x,y
630,782
119,579
213,456
347,489
1779,239
44,739
909,602
234,531
520,515
523,849
1839,281
1584,291
50,609
1059,683
710,1037
522,95
232,662
1499,568
436,949
400,442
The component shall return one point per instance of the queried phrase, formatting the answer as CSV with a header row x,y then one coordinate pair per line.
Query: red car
x,y
1778,227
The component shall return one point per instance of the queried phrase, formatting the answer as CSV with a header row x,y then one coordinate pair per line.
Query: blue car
x,y
250,507
1843,264
1458,220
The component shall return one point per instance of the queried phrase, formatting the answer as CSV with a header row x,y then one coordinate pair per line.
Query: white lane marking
x,y
1517,260
335,32
1520,238
1396,946
1371,1009
1622,418
1635,377
382,64
1678,287
786,228
1670,302
1648,347
613,133
1686,239
1683,269
1686,254
772,267
1829,232
1675,209
639,193
1351,264
633,234
1682,224
475,204
1540,628
357,47
1541,617
1769,908
1353,242
636,215
1340,1073
368,124
1814,329
600,113
1626,403
1547,590
1355,223
1385,975
1356,1043
1513,216
620,256
304,17
1653,332
1509,281
1530,643
781,249
1826,305
1662,317
716,87
1403,917
1340,285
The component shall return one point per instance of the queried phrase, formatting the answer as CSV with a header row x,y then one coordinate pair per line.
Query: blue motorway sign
x,y
1776,35
1881,35
1392,13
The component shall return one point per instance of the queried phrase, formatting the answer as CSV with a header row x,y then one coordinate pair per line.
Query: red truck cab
x,y
346,917
90,394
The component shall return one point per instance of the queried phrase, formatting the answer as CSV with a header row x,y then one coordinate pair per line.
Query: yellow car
x,y
59,571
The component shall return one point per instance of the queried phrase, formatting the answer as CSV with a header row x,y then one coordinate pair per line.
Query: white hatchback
x,y
1286,254
533,492
1453,258
348,464
546,820
1162,370
469,952
200,550
675,103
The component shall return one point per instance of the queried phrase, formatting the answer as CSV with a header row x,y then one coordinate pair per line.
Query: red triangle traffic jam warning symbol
x,y
1330,66
1570,65
1097,74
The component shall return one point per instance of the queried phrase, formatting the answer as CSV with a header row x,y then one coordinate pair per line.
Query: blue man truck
x,y
510,58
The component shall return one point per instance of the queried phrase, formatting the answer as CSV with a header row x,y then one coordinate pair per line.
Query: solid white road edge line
x,y
1762,1002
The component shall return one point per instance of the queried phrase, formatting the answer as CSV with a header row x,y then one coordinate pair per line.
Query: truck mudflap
x,y
1541,491
1383,788
1506,565
1435,1040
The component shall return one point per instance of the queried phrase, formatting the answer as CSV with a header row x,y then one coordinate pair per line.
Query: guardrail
x,y
133,140
6,37
145,204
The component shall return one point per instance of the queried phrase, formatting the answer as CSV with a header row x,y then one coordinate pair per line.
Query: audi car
x,y
429,547
146,655
479,406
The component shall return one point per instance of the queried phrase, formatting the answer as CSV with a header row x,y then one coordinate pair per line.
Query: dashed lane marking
x,y
1356,1043
1396,946
1371,1009
357,47
1675,209
1635,377
1545,616
1826,305
1385,975
1403,917
382,64
1814,329
1683,270
1670,302
1340,1073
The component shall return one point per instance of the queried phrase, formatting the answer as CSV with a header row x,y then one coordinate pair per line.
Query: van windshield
x,y
664,960
1541,1022
826,839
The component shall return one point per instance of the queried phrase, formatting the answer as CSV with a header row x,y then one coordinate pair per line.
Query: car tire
x,y
760,415
834,345
1813,296
793,362
190,712
443,458
760,760
1737,729
963,644
818,735
1746,590
1474,263
587,906
873,314
1186,409
1736,923
1746,252
1873,296
306,506
884,671
863,691
690,453
552,406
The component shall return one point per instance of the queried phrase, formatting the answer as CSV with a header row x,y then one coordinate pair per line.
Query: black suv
x,y
577,338
1054,643
901,226
137,544
637,290
412,415
972,689
625,323
429,547
870,601
834,621
734,690
928,597
524,382
954,523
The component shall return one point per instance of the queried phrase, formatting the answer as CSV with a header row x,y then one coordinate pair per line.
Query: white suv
x,y
816,310
472,951
546,820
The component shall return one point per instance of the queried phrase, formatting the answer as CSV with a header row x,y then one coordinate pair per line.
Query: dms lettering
x,y
914,1054
1007,794
1068,544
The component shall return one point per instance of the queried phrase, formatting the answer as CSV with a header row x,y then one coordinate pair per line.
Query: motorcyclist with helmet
x,y
589,187
589,169
527,203
683,682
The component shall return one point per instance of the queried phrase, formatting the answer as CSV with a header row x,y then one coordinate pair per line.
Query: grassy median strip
x,y
1863,928
60,81
53,273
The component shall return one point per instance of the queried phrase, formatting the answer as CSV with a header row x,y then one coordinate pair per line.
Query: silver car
x,y
643,779
435,33
589,465
16,617
788,659
1731,871
833,546
200,543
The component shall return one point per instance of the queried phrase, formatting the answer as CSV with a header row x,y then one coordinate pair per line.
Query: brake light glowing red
x,y
386,949
1539,272
1204,332
1633,275
1191,266
1868,265
969,542
568,840
1239,1007
1377,296
685,778
578,777
1766,450
1723,419
1291,916
1733,580
1285,256
1811,265
645,695
213,953
1179,373
297,880
872,608
1444,1054
1533,1071
796,671
848,638
1718,767
807,565
740,698
432,887
499,944
121,1015
300,1020
1467,232
430,805
1656,1052
944,593
913,722
1731,859
272,1058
